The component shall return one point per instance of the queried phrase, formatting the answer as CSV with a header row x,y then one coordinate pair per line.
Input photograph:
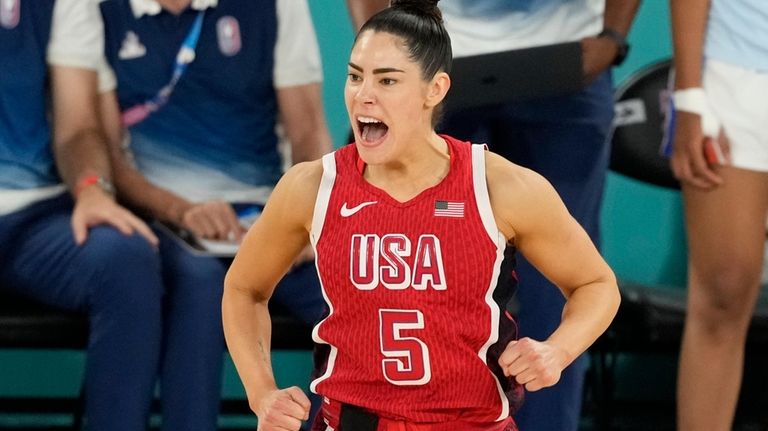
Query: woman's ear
x,y
438,88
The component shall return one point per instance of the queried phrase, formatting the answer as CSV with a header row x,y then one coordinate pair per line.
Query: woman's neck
x,y
415,172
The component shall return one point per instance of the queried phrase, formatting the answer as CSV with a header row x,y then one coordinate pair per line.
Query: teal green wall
x,y
58,373
642,228
334,33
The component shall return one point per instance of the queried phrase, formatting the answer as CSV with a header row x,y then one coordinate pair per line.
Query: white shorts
x,y
739,98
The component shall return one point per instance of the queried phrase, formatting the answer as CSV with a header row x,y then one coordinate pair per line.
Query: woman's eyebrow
x,y
377,71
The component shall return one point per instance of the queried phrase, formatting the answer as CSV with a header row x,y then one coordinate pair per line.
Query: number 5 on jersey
x,y
406,360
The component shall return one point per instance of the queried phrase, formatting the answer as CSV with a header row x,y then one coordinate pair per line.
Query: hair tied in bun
x,y
426,7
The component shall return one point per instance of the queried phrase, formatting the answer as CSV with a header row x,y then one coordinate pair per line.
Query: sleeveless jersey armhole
x,y
323,196
480,185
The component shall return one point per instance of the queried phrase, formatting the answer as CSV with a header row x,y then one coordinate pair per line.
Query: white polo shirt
x,y
485,26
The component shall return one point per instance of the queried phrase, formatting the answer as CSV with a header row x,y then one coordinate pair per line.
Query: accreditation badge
x,y
10,12
228,34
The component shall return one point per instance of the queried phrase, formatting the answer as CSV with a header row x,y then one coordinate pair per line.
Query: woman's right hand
x,y
688,161
283,409
213,220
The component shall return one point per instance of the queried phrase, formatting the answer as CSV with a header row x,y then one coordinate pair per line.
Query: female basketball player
x,y
410,230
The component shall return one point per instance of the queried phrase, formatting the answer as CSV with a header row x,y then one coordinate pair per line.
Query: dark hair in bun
x,y
420,24
425,7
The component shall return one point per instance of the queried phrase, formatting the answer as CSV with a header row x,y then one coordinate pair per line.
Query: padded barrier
x,y
26,324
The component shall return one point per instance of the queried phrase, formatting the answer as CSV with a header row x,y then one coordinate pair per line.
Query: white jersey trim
x,y
480,185
323,196
481,194
318,220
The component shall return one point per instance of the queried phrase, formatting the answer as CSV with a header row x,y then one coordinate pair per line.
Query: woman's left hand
x,y
535,364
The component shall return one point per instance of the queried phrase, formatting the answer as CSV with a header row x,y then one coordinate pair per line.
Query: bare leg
x,y
726,236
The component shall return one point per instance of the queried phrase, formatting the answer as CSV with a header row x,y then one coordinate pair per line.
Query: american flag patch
x,y
449,209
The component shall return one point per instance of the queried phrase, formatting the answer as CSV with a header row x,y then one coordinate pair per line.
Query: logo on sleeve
x,y
347,212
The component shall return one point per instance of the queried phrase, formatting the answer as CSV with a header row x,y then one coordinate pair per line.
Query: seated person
x,y
64,240
199,88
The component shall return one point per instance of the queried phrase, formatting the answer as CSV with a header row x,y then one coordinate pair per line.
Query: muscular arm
x,y
274,241
361,10
302,116
529,212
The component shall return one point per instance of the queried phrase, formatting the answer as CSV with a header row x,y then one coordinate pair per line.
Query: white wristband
x,y
694,100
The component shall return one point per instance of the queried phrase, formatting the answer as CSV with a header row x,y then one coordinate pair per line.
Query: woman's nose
x,y
364,93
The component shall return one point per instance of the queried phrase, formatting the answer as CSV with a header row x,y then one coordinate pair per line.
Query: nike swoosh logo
x,y
346,212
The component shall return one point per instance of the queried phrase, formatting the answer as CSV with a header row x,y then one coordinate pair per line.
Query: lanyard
x,y
186,55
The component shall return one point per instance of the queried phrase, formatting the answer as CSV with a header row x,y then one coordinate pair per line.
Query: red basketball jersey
x,y
412,294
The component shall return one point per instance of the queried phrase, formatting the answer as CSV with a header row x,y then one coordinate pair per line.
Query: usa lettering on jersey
x,y
384,260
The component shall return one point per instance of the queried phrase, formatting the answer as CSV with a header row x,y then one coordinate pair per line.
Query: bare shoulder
x,y
510,181
518,195
307,174
295,193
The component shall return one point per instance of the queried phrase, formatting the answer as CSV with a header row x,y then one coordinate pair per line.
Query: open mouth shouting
x,y
371,130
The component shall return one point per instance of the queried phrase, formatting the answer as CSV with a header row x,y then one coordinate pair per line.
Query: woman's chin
x,y
372,152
